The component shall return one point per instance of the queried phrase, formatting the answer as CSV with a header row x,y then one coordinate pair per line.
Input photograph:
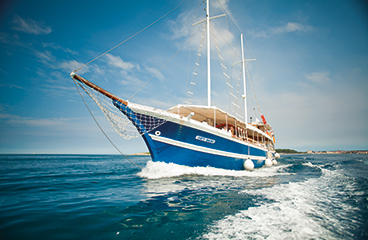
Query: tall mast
x,y
208,55
242,61
245,89
207,20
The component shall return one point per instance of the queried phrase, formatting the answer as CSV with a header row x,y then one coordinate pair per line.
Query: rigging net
x,y
119,121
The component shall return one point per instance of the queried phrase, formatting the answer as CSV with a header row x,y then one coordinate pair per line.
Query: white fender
x,y
274,162
277,156
248,165
268,162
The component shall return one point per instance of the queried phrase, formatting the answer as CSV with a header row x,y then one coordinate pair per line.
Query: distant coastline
x,y
280,151
291,151
140,154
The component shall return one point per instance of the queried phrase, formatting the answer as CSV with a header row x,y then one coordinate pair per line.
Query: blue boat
x,y
192,135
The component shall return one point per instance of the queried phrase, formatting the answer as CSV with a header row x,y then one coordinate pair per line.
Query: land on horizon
x,y
291,151
281,151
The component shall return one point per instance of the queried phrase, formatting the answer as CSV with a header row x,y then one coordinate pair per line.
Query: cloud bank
x,y
30,26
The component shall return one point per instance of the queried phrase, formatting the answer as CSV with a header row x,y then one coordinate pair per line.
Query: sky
x,y
312,68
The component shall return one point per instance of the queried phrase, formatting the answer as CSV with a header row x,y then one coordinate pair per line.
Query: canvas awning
x,y
214,116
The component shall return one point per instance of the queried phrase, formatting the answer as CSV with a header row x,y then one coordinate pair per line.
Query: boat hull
x,y
185,143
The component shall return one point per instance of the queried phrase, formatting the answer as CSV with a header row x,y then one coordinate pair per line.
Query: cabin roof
x,y
203,113
206,113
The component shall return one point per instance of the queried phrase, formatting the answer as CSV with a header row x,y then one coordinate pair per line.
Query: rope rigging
x,y
112,117
99,126
164,65
116,120
228,15
149,25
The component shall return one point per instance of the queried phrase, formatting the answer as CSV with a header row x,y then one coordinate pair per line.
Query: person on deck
x,y
232,131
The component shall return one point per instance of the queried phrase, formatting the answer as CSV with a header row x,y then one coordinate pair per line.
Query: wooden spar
x,y
97,88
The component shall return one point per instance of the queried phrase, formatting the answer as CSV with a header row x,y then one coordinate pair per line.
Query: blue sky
x,y
312,59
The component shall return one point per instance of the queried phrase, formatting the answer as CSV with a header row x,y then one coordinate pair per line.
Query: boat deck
x,y
255,133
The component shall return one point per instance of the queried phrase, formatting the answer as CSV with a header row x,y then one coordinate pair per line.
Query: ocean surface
x,y
107,197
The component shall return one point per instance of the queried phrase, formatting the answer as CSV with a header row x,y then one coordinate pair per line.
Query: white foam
x,y
306,210
309,164
156,170
365,161
163,178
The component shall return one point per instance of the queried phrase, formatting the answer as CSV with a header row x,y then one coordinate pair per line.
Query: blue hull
x,y
179,143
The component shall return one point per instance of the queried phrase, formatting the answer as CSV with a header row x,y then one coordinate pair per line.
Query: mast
x,y
208,54
242,61
245,89
207,20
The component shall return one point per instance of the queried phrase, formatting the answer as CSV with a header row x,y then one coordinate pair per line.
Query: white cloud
x,y
319,77
98,70
224,6
221,4
128,79
159,75
59,91
155,102
71,65
287,28
118,62
10,39
30,26
292,27
36,122
258,34
316,116
180,27
58,47
45,56
12,86
16,86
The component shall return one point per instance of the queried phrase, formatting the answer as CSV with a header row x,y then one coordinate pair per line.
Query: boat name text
x,y
207,140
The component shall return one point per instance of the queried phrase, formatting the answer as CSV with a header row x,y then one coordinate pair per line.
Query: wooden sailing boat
x,y
191,135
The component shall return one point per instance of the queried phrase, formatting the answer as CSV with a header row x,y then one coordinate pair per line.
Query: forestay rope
x,y
114,119
164,65
89,110
129,37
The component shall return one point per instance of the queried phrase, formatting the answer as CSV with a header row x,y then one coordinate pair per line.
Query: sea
x,y
107,197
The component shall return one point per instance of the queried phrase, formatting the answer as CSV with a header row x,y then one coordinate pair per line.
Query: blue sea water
x,y
107,197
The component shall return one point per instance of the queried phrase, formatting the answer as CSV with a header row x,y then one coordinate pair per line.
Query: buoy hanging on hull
x,y
268,162
248,165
